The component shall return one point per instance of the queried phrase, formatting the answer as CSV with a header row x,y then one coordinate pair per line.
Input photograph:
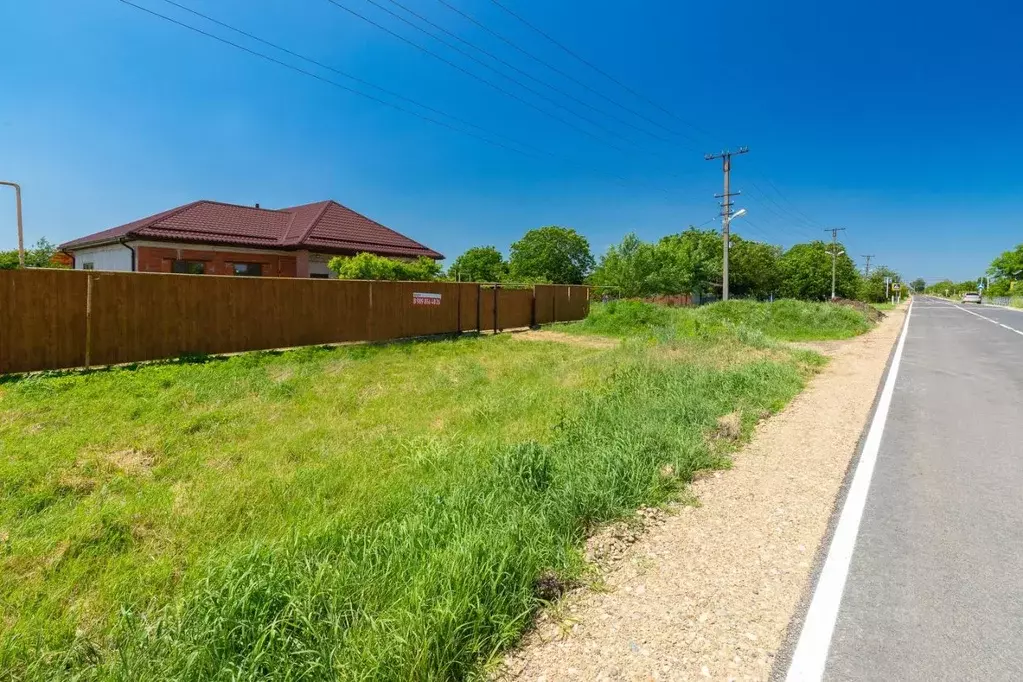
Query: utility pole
x,y
834,256
726,208
21,232
868,257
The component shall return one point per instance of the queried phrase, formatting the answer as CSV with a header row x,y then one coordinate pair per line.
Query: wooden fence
x,y
55,319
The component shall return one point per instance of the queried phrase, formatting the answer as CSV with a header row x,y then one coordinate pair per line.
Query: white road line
x,y
1003,326
811,654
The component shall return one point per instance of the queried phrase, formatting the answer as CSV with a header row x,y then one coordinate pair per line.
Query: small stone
x,y
705,671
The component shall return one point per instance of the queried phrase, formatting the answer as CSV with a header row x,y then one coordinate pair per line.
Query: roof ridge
x,y
251,208
315,221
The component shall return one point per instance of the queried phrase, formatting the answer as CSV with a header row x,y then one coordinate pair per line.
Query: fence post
x,y
458,317
496,297
532,314
88,320
479,308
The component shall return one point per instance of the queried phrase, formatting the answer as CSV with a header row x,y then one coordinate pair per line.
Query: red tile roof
x,y
325,226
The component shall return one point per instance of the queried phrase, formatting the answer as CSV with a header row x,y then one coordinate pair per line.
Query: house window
x,y
248,269
189,267
88,266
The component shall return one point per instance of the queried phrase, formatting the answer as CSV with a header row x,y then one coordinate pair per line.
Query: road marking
x,y
1003,326
811,654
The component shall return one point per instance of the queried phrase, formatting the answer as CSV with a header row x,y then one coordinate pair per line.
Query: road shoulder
x,y
709,592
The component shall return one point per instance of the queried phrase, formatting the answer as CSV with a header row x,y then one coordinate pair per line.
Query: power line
x,y
339,72
603,73
320,78
558,71
539,153
526,73
466,71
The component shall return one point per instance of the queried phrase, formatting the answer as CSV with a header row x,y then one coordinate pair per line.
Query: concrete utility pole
x,y
834,256
868,257
21,231
726,208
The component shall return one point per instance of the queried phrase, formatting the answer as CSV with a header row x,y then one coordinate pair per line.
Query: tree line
x,y
689,262
1002,278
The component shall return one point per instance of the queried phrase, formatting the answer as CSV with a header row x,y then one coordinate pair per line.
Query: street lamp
x,y
738,214
834,260
21,233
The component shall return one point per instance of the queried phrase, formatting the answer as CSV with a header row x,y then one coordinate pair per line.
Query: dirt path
x,y
708,593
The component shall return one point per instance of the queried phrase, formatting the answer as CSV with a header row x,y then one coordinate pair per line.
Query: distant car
x,y
972,297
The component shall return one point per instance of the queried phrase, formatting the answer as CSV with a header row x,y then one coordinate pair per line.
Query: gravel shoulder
x,y
708,591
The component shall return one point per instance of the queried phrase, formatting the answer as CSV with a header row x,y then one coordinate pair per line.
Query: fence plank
x,y
149,316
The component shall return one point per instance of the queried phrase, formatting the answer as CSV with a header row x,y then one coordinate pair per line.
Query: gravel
x,y
707,591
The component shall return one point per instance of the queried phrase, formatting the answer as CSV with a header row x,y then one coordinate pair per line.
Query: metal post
x,y
21,230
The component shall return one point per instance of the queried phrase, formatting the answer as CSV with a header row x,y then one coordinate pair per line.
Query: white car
x,y
972,297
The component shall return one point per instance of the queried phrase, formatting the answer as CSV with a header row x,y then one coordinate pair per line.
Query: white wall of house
x,y
318,265
116,257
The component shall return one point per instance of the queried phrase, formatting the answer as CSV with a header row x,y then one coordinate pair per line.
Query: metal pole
x,y
21,231
834,261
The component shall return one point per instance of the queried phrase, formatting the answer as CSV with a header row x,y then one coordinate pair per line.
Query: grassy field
x,y
784,320
364,512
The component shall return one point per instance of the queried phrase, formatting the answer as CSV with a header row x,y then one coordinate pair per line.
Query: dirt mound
x,y
872,313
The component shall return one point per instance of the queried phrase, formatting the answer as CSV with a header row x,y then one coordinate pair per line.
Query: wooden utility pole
x,y
868,257
726,208
834,255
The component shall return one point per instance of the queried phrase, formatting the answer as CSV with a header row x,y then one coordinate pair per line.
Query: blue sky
x,y
902,122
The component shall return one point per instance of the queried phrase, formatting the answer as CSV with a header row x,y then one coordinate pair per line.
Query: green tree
x,y
559,255
918,285
1006,269
945,287
752,268
806,273
691,262
479,264
38,256
872,288
632,268
372,266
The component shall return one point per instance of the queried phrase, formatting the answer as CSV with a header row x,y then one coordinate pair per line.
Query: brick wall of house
x,y
161,259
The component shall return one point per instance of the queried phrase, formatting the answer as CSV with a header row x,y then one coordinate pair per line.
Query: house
x,y
213,238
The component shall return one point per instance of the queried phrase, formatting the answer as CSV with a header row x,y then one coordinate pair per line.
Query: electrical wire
x,y
475,76
528,75
561,72
603,73
318,77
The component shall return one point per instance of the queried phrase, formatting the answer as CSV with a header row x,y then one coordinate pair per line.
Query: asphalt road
x,y
935,585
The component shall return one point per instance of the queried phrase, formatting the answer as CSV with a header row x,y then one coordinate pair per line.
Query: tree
x,y
39,256
372,266
559,255
872,288
691,262
479,264
632,268
918,285
806,273
752,268
1006,269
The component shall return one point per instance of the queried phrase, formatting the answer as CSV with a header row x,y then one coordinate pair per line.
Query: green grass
x,y
784,320
884,307
367,512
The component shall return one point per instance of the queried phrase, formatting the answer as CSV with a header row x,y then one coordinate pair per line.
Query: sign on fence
x,y
420,298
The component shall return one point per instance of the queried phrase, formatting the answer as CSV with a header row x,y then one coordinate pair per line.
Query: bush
x,y
371,266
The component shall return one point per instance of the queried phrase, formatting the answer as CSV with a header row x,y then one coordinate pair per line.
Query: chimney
x,y
257,204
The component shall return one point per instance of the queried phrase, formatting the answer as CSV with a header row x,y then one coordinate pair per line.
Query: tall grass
x,y
392,512
786,320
